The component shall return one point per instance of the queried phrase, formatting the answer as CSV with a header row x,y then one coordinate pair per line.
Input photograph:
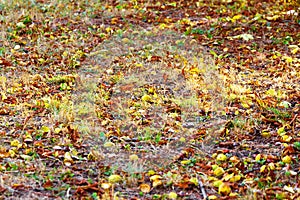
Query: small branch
x,y
202,189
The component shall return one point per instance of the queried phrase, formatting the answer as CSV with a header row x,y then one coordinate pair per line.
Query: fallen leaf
x,y
224,189
172,195
114,178
145,188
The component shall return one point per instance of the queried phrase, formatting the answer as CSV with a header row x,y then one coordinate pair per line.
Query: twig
x,y
202,189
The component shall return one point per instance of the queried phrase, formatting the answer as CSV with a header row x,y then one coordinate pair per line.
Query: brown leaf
x,y
5,62
48,184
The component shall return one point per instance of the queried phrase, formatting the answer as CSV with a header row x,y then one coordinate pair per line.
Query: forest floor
x,y
149,99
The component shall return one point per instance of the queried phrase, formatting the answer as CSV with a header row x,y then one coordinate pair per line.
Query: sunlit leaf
x,y
155,177
172,195
156,183
224,189
245,36
235,178
68,159
15,143
265,134
45,129
219,171
145,188
221,157
271,166
281,131
194,180
217,183
228,177
289,189
286,138
212,197
258,157
287,159
262,168
105,186
146,98
185,162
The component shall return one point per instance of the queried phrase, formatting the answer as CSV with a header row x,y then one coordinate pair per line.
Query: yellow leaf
x,y
271,92
294,51
194,181
228,177
156,183
195,70
288,59
3,96
212,197
236,17
281,131
3,81
108,144
214,167
271,166
162,26
133,157
265,134
224,189
185,162
12,153
45,129
262,168
217,183
221,157
14,143
146,98
172,195
235,178
219,171
68,159
145,188
258,157
182,139
287,159
286,138
114,178
155,177
151,172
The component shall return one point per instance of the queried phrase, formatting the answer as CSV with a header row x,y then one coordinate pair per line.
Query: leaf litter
x,y
140,100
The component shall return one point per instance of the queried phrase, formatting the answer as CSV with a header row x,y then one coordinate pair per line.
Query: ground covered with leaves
x,y
149,99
